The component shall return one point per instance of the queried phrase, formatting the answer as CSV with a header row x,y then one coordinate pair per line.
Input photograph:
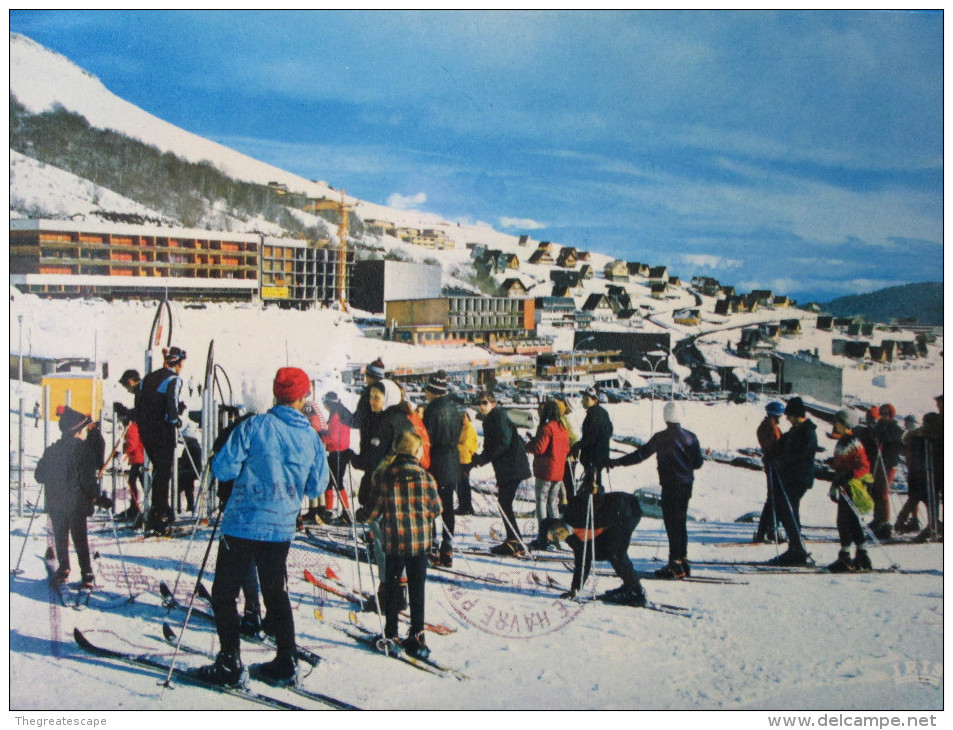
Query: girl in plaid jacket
x,y
407,504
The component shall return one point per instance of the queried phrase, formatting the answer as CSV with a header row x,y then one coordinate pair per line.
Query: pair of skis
x,y
668,608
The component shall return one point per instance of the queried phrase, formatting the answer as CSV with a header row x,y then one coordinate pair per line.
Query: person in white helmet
x,y
678,454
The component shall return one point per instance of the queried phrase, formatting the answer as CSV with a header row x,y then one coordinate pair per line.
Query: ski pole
x,y
794,517
203,494
352,513
16,570
188,614
774,512
112,454
122,562
385,591
512,527
590,530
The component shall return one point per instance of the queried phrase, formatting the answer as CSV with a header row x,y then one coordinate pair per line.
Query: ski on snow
x,y
369,640
182,675
743,566
651,605
170,636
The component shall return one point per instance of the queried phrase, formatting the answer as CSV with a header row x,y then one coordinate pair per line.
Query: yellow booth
x,y
82,392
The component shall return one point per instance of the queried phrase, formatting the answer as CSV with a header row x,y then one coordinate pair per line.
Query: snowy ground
x,y
772,642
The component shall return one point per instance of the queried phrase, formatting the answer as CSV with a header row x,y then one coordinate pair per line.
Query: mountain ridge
x,y
922,302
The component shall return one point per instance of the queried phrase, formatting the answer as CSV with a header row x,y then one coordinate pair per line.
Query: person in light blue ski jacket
x,y
275,459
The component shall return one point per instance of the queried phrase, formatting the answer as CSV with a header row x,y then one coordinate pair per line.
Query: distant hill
x,y
921,302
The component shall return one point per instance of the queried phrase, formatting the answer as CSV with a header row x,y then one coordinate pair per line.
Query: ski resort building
x,y
461,320
80,258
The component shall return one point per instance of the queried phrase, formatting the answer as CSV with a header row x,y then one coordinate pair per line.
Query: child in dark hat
x,y
67,470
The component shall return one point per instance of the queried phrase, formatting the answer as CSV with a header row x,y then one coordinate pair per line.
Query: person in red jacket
x,y
852,479
135,455
550,447
337,440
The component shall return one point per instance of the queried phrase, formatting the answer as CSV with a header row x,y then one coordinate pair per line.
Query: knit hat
x,y
256,397
592,393
795,408
291,384
173,355
775,408
376,369
130,375
887,411
71,421
845,418
910,420
331,397
873,413
672,413
437,384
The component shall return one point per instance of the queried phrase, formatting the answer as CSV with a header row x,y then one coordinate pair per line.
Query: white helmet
x,y
672,412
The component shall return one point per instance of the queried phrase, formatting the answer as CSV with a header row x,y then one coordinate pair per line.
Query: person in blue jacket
x,y
678,455
274,459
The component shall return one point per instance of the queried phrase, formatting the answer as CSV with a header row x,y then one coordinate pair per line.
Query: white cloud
x,y
406,202
527,224
705,261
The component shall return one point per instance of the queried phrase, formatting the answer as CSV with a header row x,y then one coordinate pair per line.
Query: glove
x,y
572,593
120,410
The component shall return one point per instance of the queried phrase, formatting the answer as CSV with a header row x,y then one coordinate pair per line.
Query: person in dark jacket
x,y
883,465
444,421
382,427
769,435
592,449
678,454
503,448
407,505
373,373
157,412
190,469
67,470
797,450
614,518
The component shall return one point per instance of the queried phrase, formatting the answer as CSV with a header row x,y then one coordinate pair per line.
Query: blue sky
x,y
799,151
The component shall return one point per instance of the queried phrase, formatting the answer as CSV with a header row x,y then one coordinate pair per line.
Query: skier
x,y
569,485
915,455
407,504
615,517
593,448
67,470
189,468
678,455
444,422
550,447
503,447
796,454
337,441
769,434
274,459
883,464
135,456
467,446
380,431
158,411
852,478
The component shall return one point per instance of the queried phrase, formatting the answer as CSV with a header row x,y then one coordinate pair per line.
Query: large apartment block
x,y
461,319
78,258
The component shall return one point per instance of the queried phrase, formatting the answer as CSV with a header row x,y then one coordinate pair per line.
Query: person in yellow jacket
x,y
467,446
568,487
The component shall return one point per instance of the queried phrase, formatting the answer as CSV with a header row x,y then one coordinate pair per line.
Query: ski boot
x,y
685,566
673,571
416,646
843,564
390,644
862,560
792,558
883,531
445,557
539,544
89,582
250,625
59,577
626,596
227,671
281,671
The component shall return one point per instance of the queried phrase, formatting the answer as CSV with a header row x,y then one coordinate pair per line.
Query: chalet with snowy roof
x,y
496,261
567,258
658,290
637,268
512,287
867,329
853,329
687,317
524,240
477,250
600,307
616,271
728,291
755,341
782,301
790,326
542,256
706,285
763,297
878,354
674,281
572,279
825,323
582,256
586,271
545,246
890,349
842,323
618,297
659,273
561,291
555,310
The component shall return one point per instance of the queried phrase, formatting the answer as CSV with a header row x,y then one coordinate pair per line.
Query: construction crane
x,y
343,210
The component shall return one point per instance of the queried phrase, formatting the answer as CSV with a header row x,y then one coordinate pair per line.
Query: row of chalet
x,y
886,351
745,303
